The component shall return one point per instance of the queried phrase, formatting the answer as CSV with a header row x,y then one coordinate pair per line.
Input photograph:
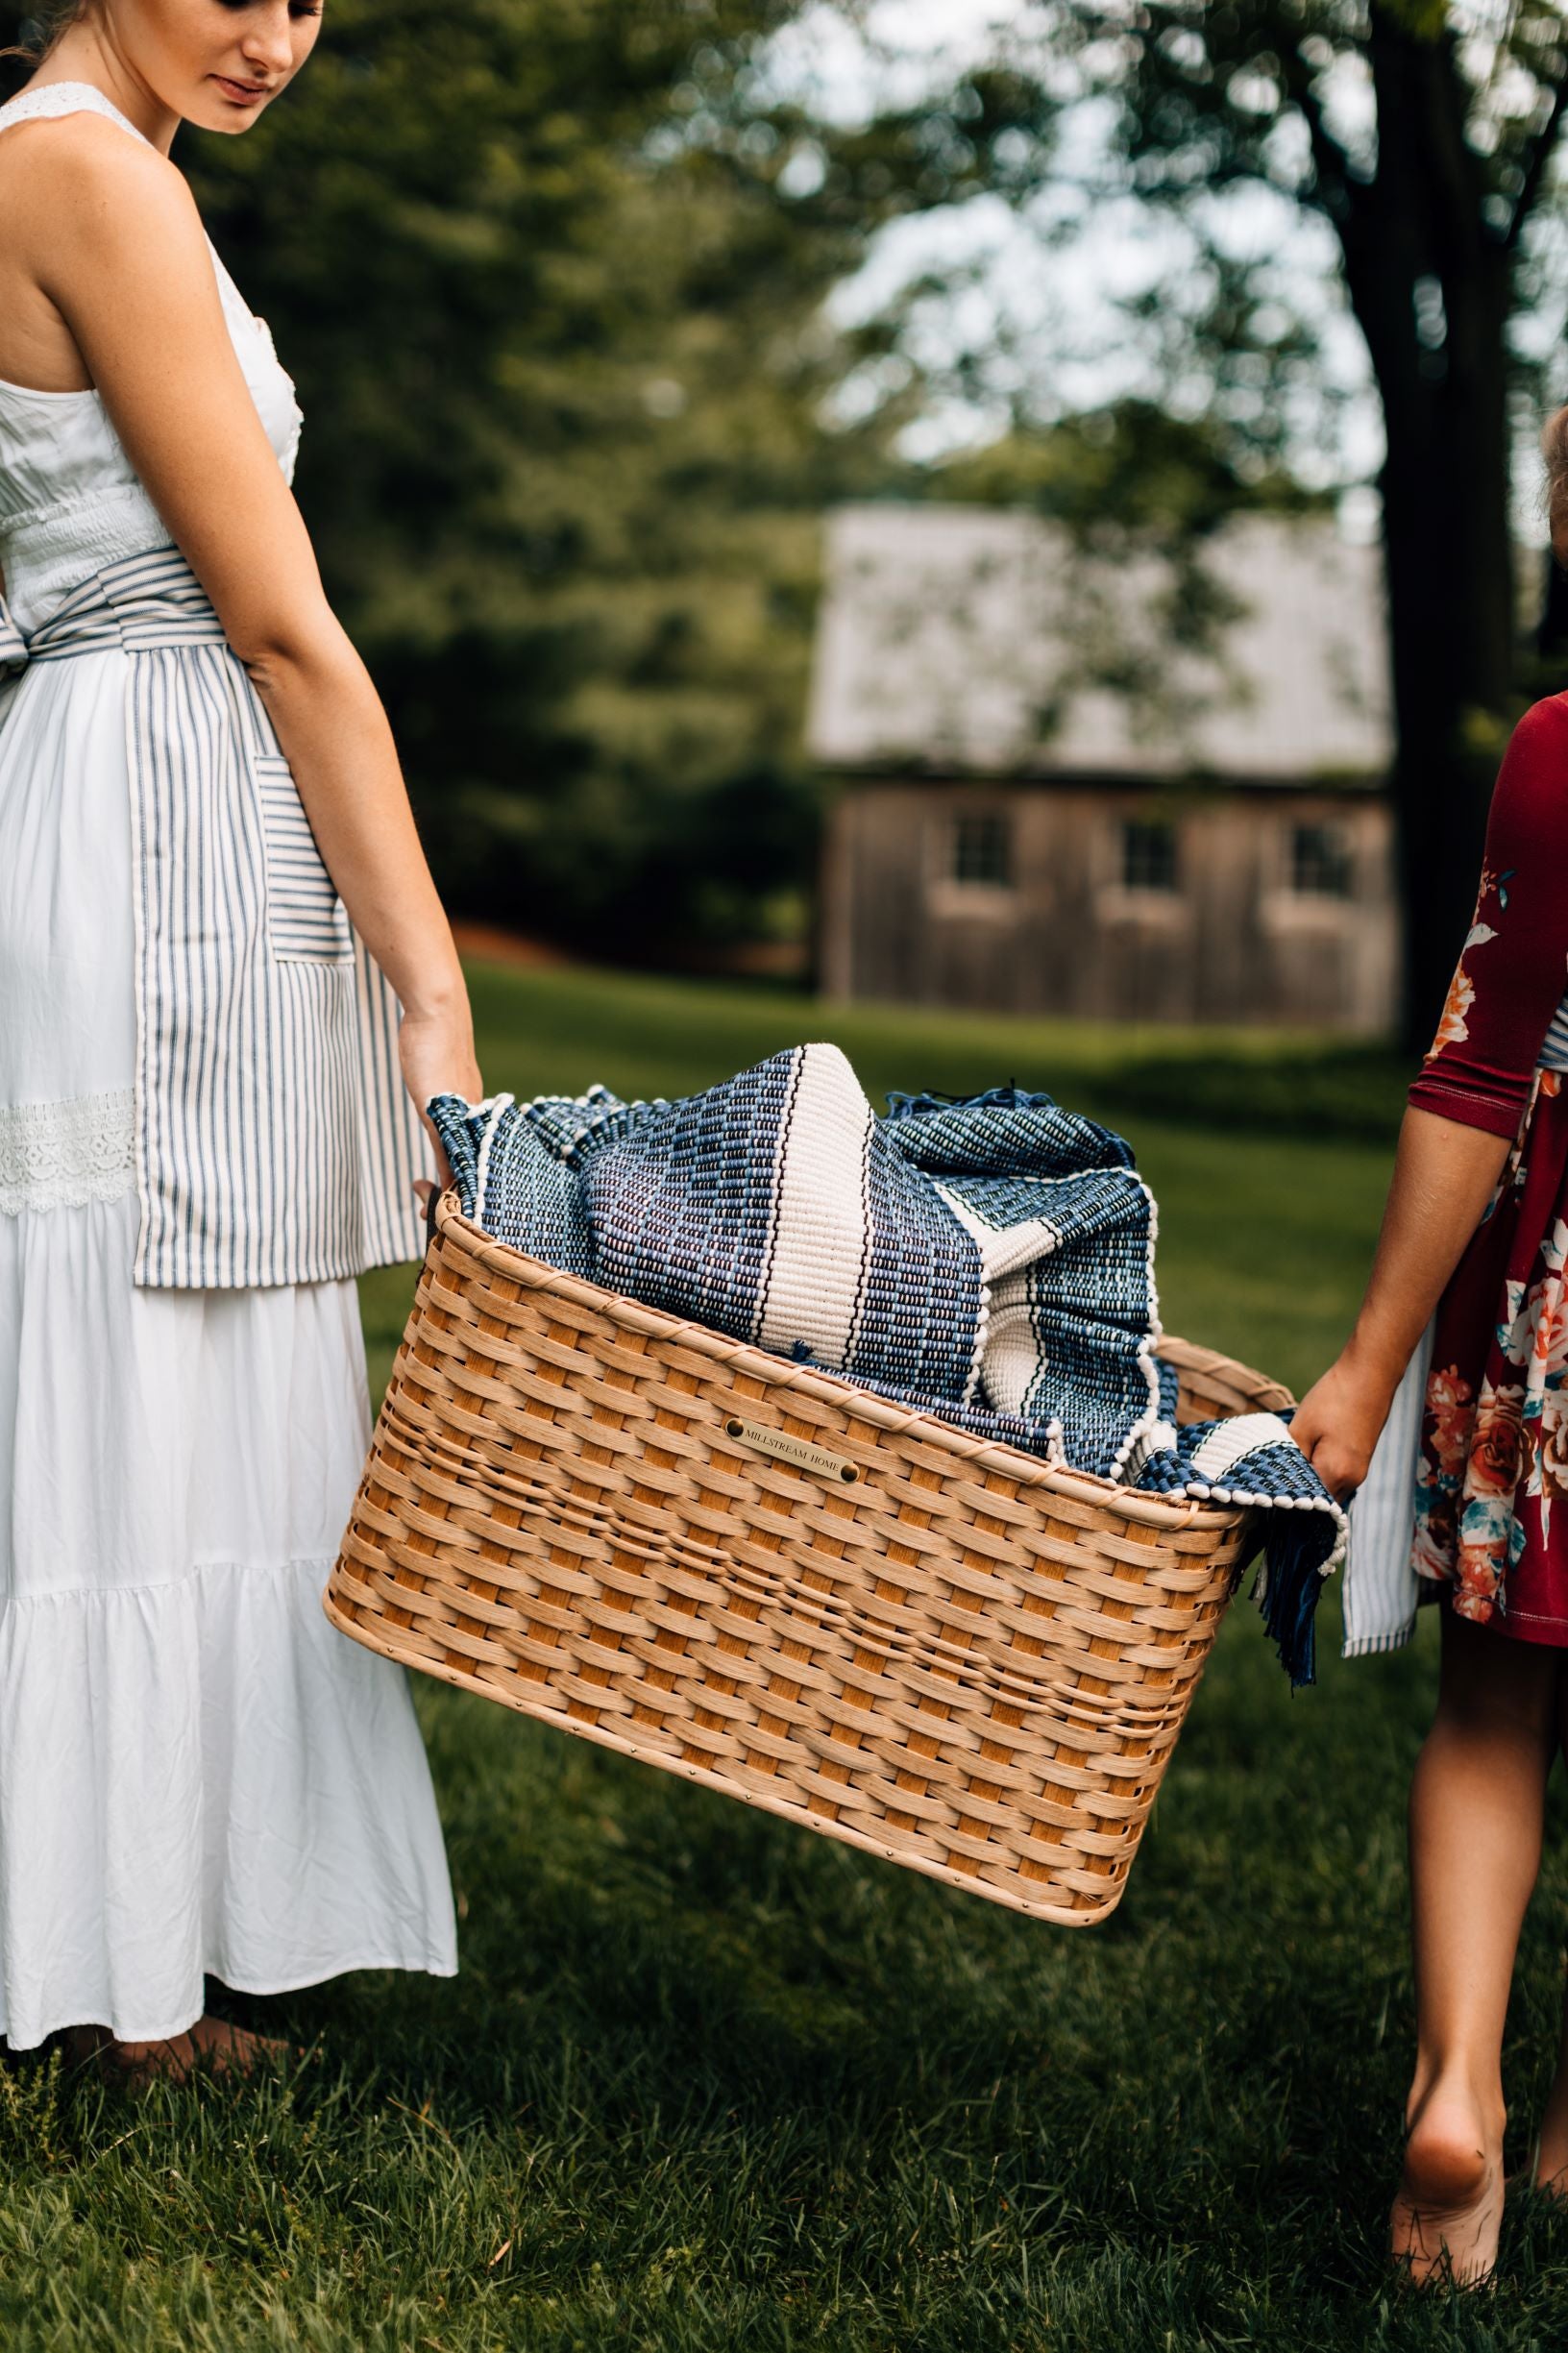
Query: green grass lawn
x,y
707,2081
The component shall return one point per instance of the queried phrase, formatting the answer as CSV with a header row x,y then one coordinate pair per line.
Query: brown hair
x,y
43,29
1555,450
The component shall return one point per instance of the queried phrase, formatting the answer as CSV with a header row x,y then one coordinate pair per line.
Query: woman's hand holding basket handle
x,y
436,1048
1444,1176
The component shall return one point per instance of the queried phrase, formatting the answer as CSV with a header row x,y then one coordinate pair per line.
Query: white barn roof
x,y
950,637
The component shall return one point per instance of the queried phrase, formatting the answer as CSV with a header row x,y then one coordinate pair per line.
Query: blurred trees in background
x,y
548,275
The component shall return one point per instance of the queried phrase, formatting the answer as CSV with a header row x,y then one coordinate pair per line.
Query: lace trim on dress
x,y
61,1155
55,98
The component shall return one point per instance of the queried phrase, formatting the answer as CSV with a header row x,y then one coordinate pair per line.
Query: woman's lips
x,y
243,93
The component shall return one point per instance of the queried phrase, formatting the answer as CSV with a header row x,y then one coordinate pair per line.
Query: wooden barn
x,y
1052,797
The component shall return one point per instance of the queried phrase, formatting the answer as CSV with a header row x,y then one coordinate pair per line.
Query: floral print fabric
x,y
1492,1477
1492,1474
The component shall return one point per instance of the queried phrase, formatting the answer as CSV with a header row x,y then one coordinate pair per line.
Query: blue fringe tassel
x,y
1292,1556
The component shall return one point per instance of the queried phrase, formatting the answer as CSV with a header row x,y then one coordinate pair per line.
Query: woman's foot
x,y
212,2044
1448,2211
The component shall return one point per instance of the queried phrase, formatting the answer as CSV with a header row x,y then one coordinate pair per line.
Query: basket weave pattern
x,y
933,1647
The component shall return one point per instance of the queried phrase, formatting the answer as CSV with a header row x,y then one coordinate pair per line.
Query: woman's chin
x,y
234,120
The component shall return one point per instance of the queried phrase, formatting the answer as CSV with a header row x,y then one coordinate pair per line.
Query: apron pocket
x,y
306,922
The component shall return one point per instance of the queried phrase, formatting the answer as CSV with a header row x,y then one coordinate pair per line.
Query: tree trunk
x,y
1450,577
1431,289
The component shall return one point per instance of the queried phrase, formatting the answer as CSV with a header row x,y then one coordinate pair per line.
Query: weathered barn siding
x,y
1235,940
949,633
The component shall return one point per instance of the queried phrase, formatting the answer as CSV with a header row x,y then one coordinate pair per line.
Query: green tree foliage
x,y
1131,468
548,276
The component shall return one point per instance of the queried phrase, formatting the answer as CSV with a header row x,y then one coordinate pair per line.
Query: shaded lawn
x,y
706,2081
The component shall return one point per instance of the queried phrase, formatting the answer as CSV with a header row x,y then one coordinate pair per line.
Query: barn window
x,y
983,851
1319,862
1148,855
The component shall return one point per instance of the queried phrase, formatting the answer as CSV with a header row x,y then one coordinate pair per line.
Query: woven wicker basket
x,y
766,1580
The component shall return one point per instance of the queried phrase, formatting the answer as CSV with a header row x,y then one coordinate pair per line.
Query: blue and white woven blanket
x,y
989,1260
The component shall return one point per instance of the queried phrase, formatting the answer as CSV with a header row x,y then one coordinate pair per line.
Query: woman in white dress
x,y
198,1775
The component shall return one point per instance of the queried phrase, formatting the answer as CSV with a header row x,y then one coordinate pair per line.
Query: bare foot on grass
x,y
1448,2210
212,2047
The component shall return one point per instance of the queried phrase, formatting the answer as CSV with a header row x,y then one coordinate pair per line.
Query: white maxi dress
x,y
197,1773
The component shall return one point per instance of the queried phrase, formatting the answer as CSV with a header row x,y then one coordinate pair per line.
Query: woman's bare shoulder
x,y
61,174
101,225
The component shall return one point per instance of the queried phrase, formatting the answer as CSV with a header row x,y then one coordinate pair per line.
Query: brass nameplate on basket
x,y
792,1450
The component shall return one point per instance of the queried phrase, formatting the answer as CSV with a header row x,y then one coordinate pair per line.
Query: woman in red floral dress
x,y
1476,1229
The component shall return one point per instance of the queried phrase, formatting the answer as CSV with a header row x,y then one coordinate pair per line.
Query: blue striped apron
x,y
275,1142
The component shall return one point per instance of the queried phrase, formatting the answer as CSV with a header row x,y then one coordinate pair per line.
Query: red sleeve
x,y
1513,967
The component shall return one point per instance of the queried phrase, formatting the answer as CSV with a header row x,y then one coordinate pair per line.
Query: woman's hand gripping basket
x,y
764,1578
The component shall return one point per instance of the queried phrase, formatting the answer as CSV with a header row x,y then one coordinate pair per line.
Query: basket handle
x,y
432,1202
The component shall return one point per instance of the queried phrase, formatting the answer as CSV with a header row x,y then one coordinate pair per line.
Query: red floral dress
x,y
1492,1476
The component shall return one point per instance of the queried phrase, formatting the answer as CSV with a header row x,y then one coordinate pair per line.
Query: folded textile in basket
x,y
990,1260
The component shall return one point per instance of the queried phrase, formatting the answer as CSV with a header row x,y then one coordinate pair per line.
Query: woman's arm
x,y
1466,1104
1444,1179
119,247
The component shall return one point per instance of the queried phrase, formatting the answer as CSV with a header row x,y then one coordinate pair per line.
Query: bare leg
x,y
1551,2156
212,2044
1477,1810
